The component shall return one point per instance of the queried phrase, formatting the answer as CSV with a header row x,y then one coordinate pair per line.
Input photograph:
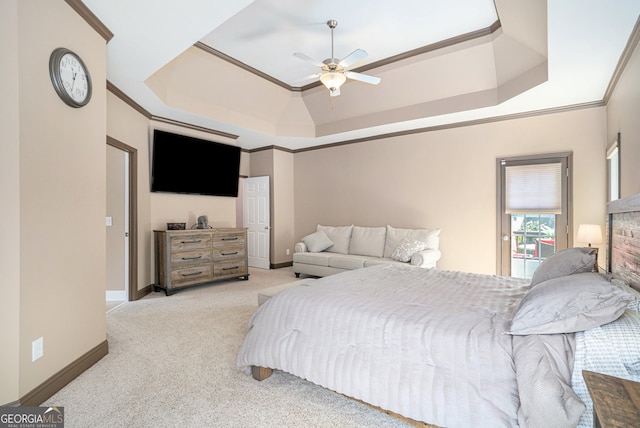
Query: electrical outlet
x,y
288,251
37,349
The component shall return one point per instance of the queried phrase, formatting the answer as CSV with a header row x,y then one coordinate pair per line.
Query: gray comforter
x,y
424,343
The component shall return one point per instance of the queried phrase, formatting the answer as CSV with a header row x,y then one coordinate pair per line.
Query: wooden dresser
x,y
197,256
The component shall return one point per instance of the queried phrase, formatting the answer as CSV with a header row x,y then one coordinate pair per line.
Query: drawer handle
x,y
231,268
192,242
192,258
230,239
192,274
229,254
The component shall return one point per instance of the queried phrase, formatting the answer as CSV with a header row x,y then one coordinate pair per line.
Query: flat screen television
x,y
181,164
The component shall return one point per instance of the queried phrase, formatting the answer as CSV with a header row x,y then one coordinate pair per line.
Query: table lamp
x,y
590,234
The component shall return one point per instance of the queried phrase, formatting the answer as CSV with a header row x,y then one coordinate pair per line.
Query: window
x,y
613,170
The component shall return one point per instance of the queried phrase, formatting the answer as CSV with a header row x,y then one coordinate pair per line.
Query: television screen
x,y
181,164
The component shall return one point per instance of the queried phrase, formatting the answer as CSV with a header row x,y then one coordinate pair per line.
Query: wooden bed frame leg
x,y
260,373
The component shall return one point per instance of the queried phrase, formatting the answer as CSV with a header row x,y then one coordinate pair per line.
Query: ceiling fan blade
x,y
365,78
308,59
308,79
352,58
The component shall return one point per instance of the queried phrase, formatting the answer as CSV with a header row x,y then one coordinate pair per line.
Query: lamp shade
x,y
333,80
589,234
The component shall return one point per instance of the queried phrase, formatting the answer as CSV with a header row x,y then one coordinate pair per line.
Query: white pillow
x,y
339,235
568,304
317,241
406,249
395,235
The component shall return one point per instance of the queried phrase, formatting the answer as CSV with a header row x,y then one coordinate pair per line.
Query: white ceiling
x,y
585,39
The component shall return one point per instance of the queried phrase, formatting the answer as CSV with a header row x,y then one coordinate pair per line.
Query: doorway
x,y
533,211
121,222
256,218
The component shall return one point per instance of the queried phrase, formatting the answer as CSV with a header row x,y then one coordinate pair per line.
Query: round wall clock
x,y
70,77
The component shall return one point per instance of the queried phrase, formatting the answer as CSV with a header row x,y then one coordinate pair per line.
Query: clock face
x,y
74,77
70,77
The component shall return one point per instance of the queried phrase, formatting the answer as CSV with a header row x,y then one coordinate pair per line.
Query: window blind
x,y
535,189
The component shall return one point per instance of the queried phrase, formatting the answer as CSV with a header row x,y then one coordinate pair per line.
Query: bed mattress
x,y
424,343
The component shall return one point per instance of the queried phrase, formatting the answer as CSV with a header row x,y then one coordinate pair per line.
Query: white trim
x,y
116,295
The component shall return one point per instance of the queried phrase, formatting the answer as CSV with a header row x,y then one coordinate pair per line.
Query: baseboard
x,y
281,265
116,296
143,292
56,382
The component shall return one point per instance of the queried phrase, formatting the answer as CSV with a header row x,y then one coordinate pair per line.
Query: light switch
x,y
109,221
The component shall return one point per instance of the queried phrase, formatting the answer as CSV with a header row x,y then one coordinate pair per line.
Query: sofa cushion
x,y
373,261
317,241
368,241
318,259
395,235
339,235
346,262
406,249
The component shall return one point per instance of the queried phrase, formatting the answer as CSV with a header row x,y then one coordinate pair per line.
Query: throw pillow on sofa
x,y
339,235
406,249
395,235
317,241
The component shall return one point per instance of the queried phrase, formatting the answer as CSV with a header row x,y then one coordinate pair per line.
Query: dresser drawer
x,y
191,275
229,252
228,238
190,242
232,268
180,258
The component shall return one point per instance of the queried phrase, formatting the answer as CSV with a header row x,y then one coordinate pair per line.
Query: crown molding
x,y
194,127
282,149
458,125
82,10
127,100
243,66
131,103
402,56
632,43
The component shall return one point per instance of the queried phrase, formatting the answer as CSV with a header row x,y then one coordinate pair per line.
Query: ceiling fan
x,y
334,72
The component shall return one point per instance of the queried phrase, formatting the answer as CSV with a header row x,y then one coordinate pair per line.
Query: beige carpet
x,y
171,363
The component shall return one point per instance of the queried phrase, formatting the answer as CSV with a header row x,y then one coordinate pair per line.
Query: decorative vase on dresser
x,y
197,256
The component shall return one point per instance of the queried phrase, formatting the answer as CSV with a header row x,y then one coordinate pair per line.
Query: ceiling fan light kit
x,y
333,81
335,73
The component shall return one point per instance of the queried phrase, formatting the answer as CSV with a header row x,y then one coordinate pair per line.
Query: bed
x,y
451,348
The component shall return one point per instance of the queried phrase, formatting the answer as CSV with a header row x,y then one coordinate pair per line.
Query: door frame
x,y
501,255
133,293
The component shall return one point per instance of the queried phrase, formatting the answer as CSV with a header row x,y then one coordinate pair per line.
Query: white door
x,y
256,219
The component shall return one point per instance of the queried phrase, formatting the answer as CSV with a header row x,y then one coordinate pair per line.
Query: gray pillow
x,y
568,304
339,235
406,249
317,241
565,262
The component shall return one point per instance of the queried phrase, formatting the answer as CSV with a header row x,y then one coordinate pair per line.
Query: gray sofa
x,y
335,249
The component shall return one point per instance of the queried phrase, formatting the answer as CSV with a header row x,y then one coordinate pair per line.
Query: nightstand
x,y
616,402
